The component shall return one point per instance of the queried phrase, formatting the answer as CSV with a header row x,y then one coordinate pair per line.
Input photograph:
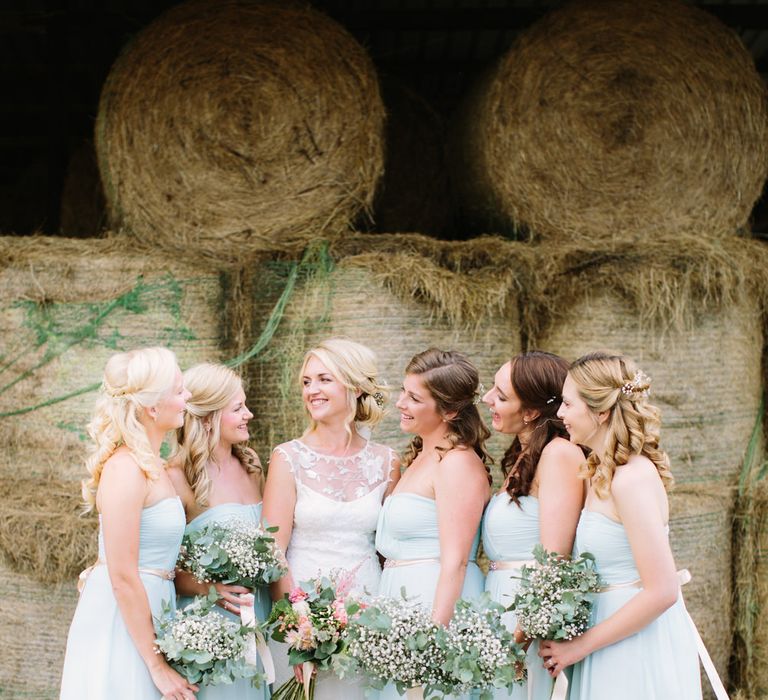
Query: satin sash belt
x,y
85,573
510,564
390,563
684,576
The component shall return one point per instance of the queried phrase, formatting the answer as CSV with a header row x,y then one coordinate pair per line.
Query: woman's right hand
x,y
171,684
230,597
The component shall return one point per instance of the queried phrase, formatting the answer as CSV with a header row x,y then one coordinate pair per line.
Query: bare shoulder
x,y
122,466
461,463
561,450
638,473
176,475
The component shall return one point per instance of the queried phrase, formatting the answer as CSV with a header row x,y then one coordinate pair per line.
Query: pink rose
x,y
297,594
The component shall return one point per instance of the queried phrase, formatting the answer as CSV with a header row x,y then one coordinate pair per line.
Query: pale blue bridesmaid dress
x,y
241,689
407,530
101,660
660,662
510,532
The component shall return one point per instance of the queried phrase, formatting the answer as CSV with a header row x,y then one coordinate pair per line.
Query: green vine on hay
x,y
51,329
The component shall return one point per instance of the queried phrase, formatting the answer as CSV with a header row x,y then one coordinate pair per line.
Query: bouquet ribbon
x,y
415,693
307,669
256,644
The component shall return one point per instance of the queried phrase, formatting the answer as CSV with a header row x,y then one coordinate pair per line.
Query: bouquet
x,y
554,600
480,652
395,640
312,619
204,646
239,552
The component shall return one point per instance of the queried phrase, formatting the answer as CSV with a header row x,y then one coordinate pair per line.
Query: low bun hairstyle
x,y
133,382
354,365
453,382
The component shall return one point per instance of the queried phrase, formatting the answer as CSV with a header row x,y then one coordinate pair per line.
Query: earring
x,y
525,422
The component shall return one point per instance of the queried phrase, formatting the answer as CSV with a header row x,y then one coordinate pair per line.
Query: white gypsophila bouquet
x,y
480,652
394,640
237,551
204,646
554,600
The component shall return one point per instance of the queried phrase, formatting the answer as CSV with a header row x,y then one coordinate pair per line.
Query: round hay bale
x,y
240,123
65,306
700,534
83,210
614,119
706,377
34,623
370,298
43,532
413,194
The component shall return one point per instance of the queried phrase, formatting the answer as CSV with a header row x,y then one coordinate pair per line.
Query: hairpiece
x,y
114,393
378,397
551,399
633,387
478,394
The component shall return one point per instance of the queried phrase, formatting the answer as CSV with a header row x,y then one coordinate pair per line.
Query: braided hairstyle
x,y
133,382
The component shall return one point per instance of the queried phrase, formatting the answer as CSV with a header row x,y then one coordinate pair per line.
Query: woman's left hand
x,y
559,655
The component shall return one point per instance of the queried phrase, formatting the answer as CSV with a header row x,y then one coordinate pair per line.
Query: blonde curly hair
x,y
133,382
613,384
212,388
354,365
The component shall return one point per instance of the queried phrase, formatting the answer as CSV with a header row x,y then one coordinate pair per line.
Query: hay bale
x,y
413,194
43,532
240,125
34,622
396,301
700,534
83,210
616,119
67,305
706,376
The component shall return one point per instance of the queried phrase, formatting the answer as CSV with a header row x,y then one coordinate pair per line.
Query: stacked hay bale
x,y
65,307
688,311
238,126
631,140
608,121
398,294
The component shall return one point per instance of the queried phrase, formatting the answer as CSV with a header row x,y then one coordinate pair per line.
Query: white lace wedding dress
x,y
334,527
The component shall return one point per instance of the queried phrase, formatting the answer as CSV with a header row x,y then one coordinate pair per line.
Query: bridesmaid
x,y
218,478
111,645
642,644
325,489
429,527
542,494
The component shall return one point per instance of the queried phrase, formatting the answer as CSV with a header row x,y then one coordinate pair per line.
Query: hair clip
x,y
551,399
378,397
631,388
478,397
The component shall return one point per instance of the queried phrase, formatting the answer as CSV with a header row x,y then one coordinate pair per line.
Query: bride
x,y
324,490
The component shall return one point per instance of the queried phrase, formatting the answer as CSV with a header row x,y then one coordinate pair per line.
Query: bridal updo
x,y
212,388
354,365
454,384
133,382
613,384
